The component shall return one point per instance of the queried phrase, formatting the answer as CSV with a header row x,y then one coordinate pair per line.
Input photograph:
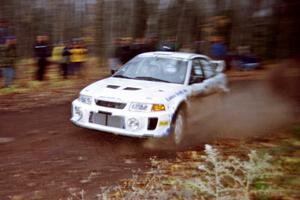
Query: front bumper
x,y
153,124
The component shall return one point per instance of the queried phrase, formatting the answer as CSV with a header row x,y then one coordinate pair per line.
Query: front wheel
x,y
178,126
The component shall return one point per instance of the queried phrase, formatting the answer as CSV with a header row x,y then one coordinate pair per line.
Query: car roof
x,y
178,55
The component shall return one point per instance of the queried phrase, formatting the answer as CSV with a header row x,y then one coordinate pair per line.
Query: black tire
x,y
178,126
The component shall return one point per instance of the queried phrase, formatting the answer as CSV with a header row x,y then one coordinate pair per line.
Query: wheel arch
x,y
181,108
181,105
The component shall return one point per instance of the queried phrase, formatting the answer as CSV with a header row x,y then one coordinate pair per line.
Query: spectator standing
x,y
165,46
2,58
174,44
114,60
42,52
77,58
218,50
125,53
170,44
8,58
57,56
3,31
138,47
65,61
151,44
3,34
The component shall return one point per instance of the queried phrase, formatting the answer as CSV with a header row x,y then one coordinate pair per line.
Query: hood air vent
x,y
113,86
131,88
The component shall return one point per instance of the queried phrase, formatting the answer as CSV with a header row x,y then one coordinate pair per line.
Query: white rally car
x,y
150,95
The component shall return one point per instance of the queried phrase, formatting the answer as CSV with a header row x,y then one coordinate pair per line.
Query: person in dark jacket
x,y
3,31
2,58
65,62
124,51
114,59
139,46
42,52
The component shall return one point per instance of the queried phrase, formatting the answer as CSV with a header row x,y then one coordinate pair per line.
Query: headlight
x,y
85,99
145,107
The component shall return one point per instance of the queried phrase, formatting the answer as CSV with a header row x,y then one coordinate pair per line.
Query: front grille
x,y
110,104
106,119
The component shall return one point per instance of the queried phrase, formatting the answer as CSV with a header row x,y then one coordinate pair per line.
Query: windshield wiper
x,y
147,78
121,76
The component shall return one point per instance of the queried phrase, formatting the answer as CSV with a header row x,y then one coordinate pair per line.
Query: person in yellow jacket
x,y
57,52
57,56
77,58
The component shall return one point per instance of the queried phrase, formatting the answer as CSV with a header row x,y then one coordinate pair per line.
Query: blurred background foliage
x,y
270,27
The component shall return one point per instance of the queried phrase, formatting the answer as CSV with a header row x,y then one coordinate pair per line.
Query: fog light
x,y
133,124
77,113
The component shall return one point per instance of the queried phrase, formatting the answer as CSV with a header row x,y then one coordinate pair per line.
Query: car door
x,y
201,86
217,80
204,81
200,81
210,75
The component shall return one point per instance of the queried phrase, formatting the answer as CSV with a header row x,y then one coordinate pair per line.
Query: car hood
x,y
128,90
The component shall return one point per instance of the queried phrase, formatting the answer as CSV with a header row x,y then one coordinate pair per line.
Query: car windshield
x,y
160,69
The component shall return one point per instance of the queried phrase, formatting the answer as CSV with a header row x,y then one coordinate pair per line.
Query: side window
x,y
207,68
197,74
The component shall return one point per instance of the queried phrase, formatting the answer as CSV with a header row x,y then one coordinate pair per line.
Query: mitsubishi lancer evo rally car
x,y
149,96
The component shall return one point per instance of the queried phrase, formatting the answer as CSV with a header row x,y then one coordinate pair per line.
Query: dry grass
x,y
226,170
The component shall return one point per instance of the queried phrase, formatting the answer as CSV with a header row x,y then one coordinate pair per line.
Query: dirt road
x,y
44,156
